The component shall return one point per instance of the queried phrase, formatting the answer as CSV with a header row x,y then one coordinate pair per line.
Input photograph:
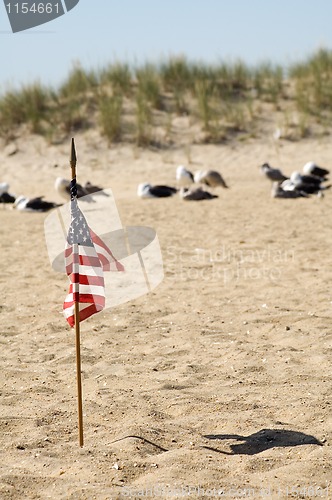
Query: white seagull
x,y
5,196
146,190
62,186
34,204
309,184
286,189
311,168
183,176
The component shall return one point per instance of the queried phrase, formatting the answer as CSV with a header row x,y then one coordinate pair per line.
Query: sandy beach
x,y
215,384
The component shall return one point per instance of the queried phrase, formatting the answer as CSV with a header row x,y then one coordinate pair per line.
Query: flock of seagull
x,y
38,204
184,179
189,186
298,185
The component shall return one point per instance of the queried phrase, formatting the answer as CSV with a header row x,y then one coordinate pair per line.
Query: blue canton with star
x,y
79,232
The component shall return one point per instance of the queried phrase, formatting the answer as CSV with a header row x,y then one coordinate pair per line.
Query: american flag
x,y
86,259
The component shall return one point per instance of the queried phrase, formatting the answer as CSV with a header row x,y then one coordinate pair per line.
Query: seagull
x,y
311,168
287,185
62,186
184,176
287,190
309,184
196,194
34,204
210,178
273,174
6,197
92,189
146,190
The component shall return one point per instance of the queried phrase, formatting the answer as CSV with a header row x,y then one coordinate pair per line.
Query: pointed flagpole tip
x,y
73,159
73,151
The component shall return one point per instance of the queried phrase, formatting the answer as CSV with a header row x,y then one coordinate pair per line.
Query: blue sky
x,y
97,32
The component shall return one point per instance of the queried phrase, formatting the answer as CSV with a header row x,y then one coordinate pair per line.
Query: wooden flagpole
x,y
77,327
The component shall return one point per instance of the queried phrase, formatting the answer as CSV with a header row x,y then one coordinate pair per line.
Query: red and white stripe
x,y
87,286
105,255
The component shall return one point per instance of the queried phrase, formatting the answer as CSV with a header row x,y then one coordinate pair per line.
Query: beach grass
x,y
119,77
110,112
223,99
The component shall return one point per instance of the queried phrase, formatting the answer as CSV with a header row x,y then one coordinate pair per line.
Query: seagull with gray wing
x,y
273,174
211,178
62,186
196,194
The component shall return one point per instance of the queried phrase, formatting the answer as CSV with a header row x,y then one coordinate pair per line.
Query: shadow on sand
x,y
261,441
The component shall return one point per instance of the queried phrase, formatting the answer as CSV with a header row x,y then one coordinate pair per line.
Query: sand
x,y
215,384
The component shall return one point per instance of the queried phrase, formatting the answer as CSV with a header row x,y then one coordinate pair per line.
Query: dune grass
x,y
143,120
223,100
119,77
30,105
110,111
313,87
149,85
78,82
